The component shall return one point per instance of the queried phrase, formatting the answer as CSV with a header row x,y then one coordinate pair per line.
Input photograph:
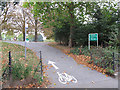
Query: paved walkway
x,y
86,78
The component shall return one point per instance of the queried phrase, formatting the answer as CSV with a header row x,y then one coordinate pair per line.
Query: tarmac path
x,y
83,77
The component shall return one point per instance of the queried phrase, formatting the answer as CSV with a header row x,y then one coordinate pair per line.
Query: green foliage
x,y
20,71
31,37
79,51
27,71
21,68
17,71
20,37
75,51
102,57
81,33
9,37
61,34
102,18
39,78
110,71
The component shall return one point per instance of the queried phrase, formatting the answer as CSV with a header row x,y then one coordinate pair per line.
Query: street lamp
x,y
0,10
26,27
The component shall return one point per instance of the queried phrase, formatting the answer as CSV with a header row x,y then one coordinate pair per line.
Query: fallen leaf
x,y
106,75
103,73
47,69
67,82
68,55
54,71
51,66
93,82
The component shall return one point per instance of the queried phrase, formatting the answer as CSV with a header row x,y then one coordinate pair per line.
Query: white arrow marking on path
x,y
53,64
63,77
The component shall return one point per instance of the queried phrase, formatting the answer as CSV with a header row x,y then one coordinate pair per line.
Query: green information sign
x,y
27,39
93,37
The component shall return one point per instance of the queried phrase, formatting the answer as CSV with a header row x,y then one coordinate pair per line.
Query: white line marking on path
x,y
64,78
53,64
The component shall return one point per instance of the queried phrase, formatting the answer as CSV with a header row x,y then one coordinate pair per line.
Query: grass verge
x,y
22,70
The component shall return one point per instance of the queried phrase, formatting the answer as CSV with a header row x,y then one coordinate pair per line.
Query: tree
x,y
47,11
4,14
105,23
99,17
20,18
36,21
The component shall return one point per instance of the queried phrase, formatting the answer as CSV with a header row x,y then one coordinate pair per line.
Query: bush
x,y
20,37
38,78
20,71
75,51
79,51
102,57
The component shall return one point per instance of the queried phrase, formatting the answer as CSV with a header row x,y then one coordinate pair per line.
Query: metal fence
x,y
39,66
8,69
105,59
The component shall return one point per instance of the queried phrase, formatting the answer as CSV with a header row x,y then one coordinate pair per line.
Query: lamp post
x,y
26,27
0,27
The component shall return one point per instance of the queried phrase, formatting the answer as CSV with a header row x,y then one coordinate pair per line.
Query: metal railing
x,y
8,69
106,60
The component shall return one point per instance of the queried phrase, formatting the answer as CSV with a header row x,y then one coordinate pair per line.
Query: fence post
x,y
118,65
9,63
91,55
113,61
41,64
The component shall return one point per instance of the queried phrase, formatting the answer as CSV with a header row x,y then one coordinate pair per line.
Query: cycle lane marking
x,y
53,64
63,77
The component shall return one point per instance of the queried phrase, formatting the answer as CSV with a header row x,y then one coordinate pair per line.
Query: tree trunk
x,y
0,35
118,28
70,37
71,9
36,29
24,31
23,36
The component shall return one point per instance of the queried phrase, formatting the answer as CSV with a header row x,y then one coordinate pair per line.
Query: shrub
x,y
75,51
102,57
17,71
20,71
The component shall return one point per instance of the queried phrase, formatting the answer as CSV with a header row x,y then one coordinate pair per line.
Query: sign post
x,y
92,37
26,27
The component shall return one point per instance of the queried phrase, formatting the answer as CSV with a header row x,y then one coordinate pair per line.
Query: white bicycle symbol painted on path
x,y
64,78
